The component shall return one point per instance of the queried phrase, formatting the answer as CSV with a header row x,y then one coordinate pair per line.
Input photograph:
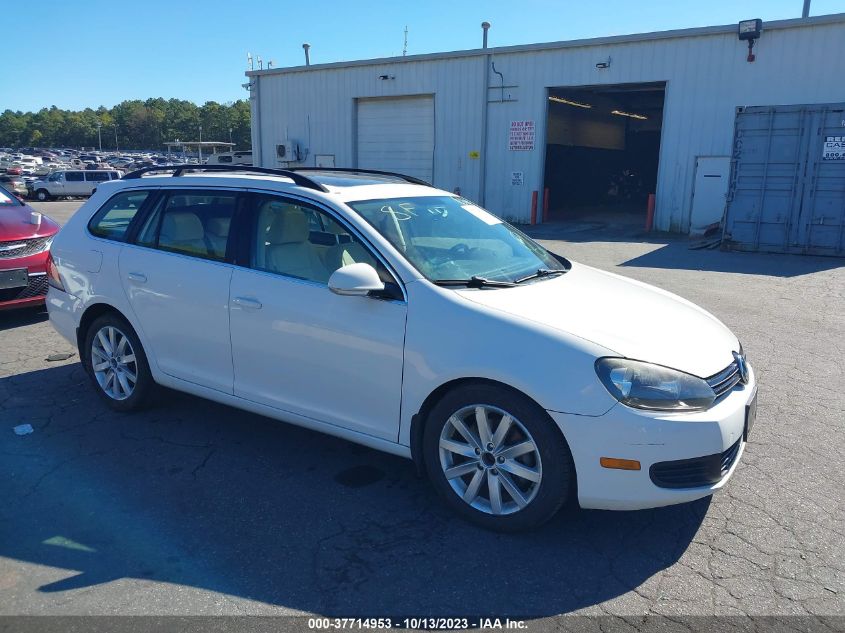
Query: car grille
x,y
695,472
37,287
725,380
26,247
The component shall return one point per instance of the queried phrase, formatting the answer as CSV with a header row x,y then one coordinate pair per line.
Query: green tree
x,y
140,124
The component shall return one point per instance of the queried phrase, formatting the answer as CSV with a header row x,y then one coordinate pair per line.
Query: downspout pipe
x,y
256,137
482,179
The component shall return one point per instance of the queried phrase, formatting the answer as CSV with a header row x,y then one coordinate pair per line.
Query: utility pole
x,y
199,147
405,47
99,134
806,12
116,148
230,135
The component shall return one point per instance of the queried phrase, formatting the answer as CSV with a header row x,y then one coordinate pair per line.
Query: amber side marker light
x,y
620,464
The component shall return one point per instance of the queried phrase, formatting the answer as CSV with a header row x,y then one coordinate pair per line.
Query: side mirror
x,y
355,280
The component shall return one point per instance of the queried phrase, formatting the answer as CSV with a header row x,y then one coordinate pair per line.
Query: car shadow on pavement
x,y
26,316
204,496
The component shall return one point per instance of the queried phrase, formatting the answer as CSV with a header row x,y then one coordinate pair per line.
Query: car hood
x,y
629,318
15,224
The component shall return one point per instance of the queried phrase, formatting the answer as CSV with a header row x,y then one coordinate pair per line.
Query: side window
x,y
224,159
96,176
74,176
113,218
302,242
193,223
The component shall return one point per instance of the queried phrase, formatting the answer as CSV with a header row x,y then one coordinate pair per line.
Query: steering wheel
x,y
455,252
459,249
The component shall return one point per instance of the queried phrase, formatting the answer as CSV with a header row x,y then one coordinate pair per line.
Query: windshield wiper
x,y
541,272
474,282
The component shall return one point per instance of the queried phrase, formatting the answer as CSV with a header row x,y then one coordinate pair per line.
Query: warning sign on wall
x,y
834,148
521,137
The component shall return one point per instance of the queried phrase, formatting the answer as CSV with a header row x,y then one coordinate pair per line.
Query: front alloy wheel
x,y
490,459
497,457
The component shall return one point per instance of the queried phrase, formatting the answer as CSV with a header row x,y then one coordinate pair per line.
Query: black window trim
x,y
243,256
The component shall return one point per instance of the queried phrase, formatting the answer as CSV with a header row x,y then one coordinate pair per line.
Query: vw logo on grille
x,y
742,366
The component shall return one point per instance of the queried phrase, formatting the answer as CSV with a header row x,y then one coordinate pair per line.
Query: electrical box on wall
x,y
287,151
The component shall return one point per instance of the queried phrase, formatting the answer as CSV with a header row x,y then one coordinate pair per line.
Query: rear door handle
x,y
141,278
246,302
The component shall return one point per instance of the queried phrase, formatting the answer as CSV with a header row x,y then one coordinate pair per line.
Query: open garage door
x,y
397,134
602,152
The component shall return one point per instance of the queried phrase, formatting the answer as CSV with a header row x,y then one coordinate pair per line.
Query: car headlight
x,y
646,386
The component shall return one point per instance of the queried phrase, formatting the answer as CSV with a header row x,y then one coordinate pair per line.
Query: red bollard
x,y
533,207
649,216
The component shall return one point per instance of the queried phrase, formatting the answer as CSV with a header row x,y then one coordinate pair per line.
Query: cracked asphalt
x,y
196,508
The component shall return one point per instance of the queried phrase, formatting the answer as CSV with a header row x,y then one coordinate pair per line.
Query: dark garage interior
x,y
602,152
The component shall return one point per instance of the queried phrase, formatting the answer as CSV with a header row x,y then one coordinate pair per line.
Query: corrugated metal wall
x,y
706,78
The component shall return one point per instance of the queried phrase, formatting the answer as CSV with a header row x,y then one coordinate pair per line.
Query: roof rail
x,y
352,170
179,170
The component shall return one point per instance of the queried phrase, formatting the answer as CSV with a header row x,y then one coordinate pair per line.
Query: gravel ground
x,y
197,508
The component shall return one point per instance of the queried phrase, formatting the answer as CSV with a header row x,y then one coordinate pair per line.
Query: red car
x,y
24,248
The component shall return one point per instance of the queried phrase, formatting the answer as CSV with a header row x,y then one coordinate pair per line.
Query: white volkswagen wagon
x,y
379,309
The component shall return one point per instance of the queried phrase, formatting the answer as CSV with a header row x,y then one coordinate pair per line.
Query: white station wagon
x,y
379,309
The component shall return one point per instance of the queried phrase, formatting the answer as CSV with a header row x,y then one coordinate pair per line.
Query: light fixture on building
x,y
750,30
568,102
640,117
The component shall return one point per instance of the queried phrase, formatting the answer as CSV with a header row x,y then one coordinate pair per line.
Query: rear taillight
x,y
53,273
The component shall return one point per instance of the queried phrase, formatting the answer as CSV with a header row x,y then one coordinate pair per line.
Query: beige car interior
x,y
197,225
285,245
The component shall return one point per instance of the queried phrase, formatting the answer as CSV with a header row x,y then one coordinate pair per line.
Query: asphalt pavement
x,y
197,508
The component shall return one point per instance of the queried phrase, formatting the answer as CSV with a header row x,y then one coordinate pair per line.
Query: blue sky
x,y
76,54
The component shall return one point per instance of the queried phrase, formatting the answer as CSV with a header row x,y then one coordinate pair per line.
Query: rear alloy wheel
x,y
117,363
497,458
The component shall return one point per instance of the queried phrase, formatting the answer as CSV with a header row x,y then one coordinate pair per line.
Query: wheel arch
x,y
91,313
418,420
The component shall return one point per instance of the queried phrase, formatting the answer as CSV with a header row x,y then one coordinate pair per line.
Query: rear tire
x,y
505,478
115,360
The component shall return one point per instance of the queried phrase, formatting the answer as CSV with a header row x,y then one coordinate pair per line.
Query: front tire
x,y
497,458
117,364
42,195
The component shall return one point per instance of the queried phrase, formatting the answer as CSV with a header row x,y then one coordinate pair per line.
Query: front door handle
x,y
247,302
141,278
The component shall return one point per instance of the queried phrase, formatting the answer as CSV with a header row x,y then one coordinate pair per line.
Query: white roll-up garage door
x,y
397,134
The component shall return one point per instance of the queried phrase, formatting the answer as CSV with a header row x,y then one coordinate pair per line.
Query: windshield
x,y
450,238
7,199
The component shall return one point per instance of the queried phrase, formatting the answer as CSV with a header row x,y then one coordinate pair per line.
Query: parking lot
x,y
196,508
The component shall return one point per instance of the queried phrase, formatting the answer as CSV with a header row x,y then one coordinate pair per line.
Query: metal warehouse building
x,y
593,126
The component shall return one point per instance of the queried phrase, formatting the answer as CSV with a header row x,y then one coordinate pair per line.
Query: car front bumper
x,y
651,438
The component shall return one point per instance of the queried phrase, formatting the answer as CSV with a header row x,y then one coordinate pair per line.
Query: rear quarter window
x,y
113,218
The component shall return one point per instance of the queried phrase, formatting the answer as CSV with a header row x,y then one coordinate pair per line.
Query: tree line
x,y
133,124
